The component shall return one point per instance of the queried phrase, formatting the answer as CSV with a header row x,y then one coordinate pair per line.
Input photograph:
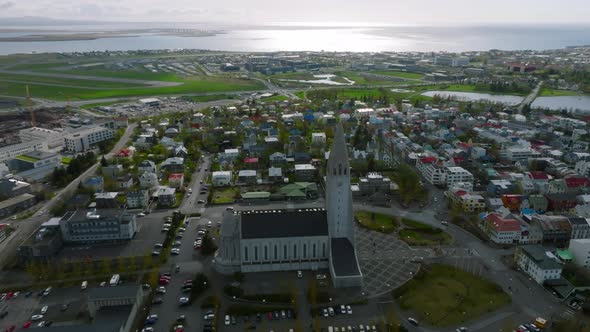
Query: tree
x,y
209,247
104,162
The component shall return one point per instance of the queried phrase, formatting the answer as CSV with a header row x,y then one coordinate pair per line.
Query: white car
x,y
161,290
227,320
175,251
349,310
36,317
141,214
44,310
41,323
299,274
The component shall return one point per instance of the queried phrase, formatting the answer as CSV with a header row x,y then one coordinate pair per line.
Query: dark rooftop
x,y
282,223
108,319
344,258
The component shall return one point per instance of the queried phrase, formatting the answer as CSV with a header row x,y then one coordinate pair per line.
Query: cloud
x,y
6,5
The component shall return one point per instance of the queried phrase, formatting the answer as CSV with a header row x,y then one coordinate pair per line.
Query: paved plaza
x,y
386,261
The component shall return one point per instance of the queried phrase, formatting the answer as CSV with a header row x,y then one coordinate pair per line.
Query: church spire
x,y
338,160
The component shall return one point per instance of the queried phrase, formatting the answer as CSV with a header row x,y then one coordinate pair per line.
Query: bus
x,y
115,280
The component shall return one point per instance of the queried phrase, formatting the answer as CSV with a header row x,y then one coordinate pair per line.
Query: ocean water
x,y
270,39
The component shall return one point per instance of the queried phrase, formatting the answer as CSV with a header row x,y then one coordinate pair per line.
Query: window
x,y
265,253
285,252
313,252
324,249
304,251
276,253
246,253
256,253
294,251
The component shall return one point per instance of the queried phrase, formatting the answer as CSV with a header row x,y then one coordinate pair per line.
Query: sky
x,y
312,12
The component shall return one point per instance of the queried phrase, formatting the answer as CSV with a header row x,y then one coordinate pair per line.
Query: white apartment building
x,y
456,174
221,178
11,151
54,139
539,264
84,139
580,249
518,153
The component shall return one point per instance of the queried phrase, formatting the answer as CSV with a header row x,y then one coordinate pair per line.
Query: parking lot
x,y
149,232
64,305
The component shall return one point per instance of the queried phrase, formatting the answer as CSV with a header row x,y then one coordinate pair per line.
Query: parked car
x,y
413,321
36,317
227,320
183,301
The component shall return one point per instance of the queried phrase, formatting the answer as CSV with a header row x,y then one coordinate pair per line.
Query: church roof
x,y
261,224
344,258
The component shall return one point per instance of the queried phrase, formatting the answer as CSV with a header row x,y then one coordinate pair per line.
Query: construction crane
x,y
30,106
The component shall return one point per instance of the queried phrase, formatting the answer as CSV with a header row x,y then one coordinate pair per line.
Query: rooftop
x,y
260,224
344,258
15,200
539,255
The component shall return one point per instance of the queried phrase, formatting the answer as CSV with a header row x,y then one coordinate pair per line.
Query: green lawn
x,y
377,222
65,160
400,74
418,234
42,80
443,296
197,84
361,80
224,195
548,92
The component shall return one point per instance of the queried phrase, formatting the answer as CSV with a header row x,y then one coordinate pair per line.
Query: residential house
x,y
277,159
112,171
247,176
147,166
148,180
94,183
165,196
305,172
124,181
176,180
318,139
580,227
275,174
173,165
498,188
554,229
221,178
106,200
561,202
501,228
538,263
456,174
137,199
374,182
180,151
251,163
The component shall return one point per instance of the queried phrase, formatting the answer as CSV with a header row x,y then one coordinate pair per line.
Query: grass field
x,y
196,84
548,92
361,80
42,80
377,222
419,234
442,296
400,74
224,195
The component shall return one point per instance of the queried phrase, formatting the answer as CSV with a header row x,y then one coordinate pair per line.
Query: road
x,y
28,226
530,98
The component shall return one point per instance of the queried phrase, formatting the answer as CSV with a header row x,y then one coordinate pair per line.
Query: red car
x,y
9,295
10,328
164,282
27,324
